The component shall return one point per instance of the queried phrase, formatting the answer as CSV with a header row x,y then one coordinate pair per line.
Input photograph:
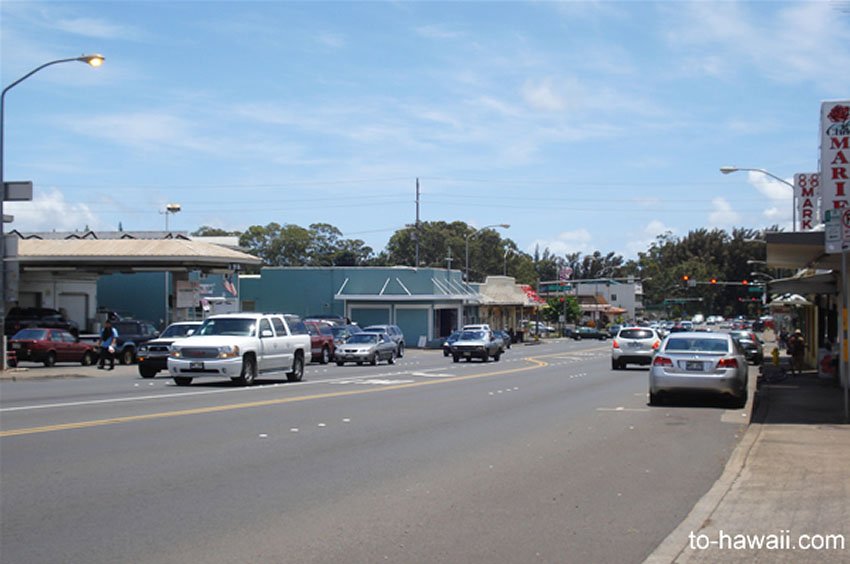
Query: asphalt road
x,y
547,455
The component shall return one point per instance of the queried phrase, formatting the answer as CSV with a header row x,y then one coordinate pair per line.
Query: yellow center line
x,y
263,403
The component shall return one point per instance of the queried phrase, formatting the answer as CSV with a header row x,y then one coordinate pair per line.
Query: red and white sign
x,y
807,194
835,157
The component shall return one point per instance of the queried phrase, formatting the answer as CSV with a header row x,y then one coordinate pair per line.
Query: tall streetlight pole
x,y
170,209
507,252
470,235
731,169
94,60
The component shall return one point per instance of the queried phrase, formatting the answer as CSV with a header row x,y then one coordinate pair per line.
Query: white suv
x,y
634,345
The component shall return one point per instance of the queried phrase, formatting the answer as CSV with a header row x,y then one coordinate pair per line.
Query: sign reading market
x,y
835,157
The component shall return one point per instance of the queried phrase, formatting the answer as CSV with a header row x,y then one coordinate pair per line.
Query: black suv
x,y
131,334
42,317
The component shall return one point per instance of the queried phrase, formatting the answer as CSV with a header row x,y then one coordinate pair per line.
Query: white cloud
x,y
435,31
577,241
541,95
48,211
724,215
94,27
641,241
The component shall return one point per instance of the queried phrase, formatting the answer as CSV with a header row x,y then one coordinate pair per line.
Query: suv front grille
x,y
198,352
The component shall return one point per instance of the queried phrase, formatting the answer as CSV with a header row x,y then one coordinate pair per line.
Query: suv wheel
x,y
326,356
297,372
147,371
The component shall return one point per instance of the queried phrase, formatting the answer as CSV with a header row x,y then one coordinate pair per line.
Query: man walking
x,y
108,336
796,348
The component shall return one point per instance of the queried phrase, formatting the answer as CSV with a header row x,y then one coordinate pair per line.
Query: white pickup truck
x,y
241,346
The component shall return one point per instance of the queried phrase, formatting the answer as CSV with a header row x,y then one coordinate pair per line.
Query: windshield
x,y
30,334
228,326
363,338
178,330
697,345
471,336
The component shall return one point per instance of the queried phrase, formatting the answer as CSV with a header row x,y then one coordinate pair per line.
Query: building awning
x,y
806,282
801,249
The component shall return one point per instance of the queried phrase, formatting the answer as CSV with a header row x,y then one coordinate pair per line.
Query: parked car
x,y
589,333
447,343
19,318
704,362
343,332
51,346
328,318
322,345
367,346
152,356
751,345
395,333
505,337
634,345
476,344
132,333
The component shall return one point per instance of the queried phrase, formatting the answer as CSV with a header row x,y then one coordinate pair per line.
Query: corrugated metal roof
x,y
171,251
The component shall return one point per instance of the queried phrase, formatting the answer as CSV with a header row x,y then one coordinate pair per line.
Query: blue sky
x,y
584,125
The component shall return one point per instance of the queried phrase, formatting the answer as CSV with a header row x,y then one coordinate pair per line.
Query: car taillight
x,y
662,361
655,345
615,344
727,363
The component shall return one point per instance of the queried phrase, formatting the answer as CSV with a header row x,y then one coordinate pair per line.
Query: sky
x,y
583,125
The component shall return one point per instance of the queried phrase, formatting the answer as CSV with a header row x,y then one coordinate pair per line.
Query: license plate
x,y
196,366
16,345
467,354
693,365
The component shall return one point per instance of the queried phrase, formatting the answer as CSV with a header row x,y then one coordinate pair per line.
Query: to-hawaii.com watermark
x,y
783,540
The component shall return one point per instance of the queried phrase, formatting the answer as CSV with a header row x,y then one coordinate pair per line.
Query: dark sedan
x,y
50,346
589,333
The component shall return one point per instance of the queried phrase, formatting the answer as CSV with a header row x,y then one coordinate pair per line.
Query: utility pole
x,y
416,227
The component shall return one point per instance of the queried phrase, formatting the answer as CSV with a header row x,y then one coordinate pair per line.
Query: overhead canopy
x,y
128,255
801,249
806,283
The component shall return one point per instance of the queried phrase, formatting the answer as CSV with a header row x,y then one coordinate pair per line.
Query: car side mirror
x,y
266,333
190,332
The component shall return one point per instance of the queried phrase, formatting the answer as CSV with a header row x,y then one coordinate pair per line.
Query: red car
x,y
51,346
321,341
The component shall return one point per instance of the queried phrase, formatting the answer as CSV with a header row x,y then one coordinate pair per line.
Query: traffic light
x,y
685,279
744,282
714,280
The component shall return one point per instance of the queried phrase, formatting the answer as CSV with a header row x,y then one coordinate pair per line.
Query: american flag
x,y
228,285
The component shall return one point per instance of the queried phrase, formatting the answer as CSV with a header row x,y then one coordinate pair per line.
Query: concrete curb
x,y
672,547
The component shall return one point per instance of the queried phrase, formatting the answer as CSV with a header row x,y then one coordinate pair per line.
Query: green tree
x,y
207,231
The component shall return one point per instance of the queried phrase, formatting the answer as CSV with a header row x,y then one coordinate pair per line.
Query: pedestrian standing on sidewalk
x,y
108,336
796,348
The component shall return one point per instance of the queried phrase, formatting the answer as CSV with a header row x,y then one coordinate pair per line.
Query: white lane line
x,y
622,409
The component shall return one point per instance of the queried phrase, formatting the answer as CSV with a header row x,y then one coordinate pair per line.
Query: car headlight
x,y
228,352
143,349
174,353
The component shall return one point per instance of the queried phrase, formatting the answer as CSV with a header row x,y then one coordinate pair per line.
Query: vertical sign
x,y
835,156
807,194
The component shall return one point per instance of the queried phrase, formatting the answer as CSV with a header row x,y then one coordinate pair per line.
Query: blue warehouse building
x,y
425,303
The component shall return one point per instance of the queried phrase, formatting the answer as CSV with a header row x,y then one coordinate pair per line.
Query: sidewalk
x,y
789,476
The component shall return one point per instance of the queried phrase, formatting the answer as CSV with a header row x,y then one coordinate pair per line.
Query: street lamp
x,y
94,60
469,235
507,252
731,169
170,209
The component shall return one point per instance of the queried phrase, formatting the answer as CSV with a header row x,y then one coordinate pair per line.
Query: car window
x,y
325,330
264,326
366,338
635,334
696,345
298,328
235,326
311,328
279,328
30,334
67,337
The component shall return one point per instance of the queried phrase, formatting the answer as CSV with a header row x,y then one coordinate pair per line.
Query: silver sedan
x,y
698,361
367,347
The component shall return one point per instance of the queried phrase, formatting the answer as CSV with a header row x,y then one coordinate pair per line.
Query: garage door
x,y
413,323
365,315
